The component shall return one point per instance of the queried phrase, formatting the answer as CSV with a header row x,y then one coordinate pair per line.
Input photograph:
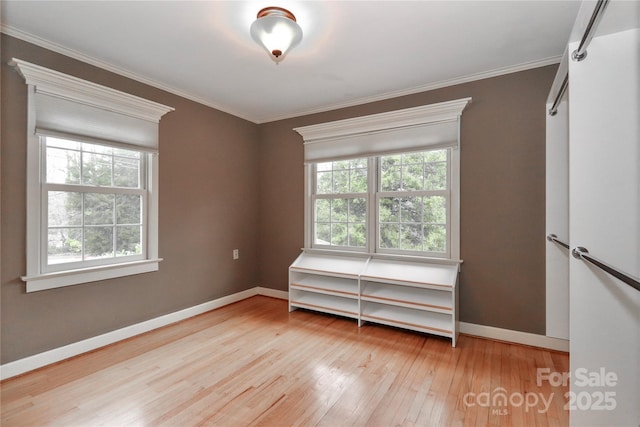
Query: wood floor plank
x,y
253,363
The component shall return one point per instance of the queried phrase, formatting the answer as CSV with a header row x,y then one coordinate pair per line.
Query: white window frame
x,y
46,187
372,136
447,193
314,196
83,93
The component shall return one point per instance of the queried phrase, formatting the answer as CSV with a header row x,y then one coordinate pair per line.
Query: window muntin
x,y
339,201
94,204
412,196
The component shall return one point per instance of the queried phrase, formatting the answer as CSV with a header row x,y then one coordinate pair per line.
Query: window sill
x,y
61,279
379,255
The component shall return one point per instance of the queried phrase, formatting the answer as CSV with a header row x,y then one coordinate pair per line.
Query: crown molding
x,y
28,37
72,53
423,88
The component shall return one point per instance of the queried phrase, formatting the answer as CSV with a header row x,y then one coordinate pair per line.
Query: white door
x,y
604,217
557,219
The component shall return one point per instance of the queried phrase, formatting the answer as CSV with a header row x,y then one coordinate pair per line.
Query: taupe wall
x,y
502,195
208,206
226,183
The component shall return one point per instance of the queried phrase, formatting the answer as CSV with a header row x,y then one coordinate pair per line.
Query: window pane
x,y
96,169
341,165
98,242
65,209
436,176
391,178
128,240
357,235
411,237
341,181
389,161
327,166
323,234
339,210
339,234
98,209
63,166
126,172
324,182
358,180
435,238
436,156
323,210
389,209
413,158
435,210
128,209
357,210
411,209
358,163
64,245
390,172
389,236
412,177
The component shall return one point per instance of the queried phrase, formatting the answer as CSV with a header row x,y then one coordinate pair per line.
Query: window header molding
x,y
60,85
426,114
411,129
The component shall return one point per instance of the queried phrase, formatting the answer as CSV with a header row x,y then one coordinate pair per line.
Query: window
x,y
94,204
92,180
386,183
412,199
340,203
413,202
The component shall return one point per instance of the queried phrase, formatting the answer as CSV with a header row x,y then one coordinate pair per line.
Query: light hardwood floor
x,y
253,363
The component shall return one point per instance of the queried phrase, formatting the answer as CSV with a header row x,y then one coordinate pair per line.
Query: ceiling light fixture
x,y
277,30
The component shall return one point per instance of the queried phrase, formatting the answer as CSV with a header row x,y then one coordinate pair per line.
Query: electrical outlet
x,y
236,254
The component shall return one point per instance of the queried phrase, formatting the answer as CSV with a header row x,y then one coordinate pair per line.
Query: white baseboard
x,y
518,337
273,293
36,361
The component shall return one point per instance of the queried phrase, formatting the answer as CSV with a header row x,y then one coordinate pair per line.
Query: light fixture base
x,y
277,30
275,10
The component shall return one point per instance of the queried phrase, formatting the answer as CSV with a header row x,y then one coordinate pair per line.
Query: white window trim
x,y
401,119
366,195
46,187
87,93
447,193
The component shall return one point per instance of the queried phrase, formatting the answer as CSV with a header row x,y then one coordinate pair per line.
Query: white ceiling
x,y
351,52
